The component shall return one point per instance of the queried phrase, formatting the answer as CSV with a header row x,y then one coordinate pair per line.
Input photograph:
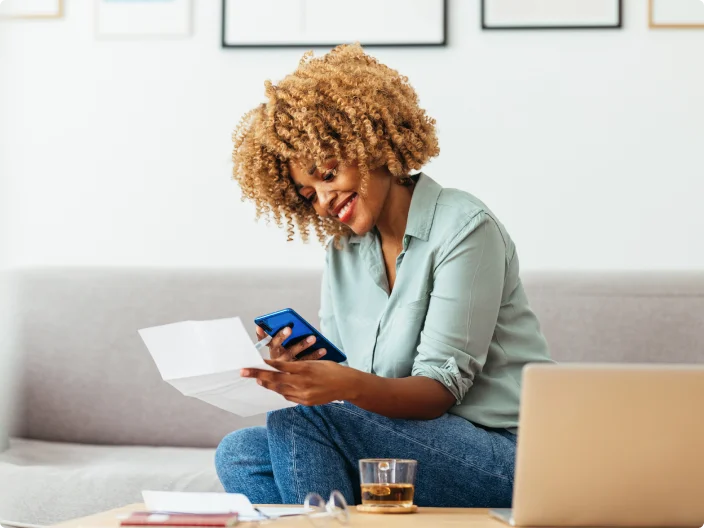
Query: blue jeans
x,y
304,449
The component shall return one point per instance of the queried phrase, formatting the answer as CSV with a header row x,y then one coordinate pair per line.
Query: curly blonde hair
x,y
343,105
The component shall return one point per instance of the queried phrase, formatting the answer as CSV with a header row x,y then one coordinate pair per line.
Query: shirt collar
x,y
421,212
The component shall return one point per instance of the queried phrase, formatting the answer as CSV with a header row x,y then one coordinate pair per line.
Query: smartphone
x,y
300,329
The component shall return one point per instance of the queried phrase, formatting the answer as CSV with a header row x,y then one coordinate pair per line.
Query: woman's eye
x,y
310,199
329,175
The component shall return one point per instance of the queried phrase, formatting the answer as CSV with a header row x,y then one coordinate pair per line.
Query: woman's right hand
x,y
291,353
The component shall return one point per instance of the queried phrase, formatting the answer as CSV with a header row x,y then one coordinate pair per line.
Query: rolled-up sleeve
x,y
464,305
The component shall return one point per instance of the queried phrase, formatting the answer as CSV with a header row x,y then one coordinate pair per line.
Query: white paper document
x,y
203,359
188,502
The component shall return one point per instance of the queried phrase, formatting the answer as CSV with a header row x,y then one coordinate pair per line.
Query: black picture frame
x,y
225,45
485,26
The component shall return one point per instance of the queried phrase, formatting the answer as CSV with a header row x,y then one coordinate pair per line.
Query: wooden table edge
x,y
478,517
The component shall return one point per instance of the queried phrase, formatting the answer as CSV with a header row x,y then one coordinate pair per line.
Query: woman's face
x,y
333,190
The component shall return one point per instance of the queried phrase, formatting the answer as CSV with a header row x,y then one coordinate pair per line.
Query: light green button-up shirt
x,y
457,313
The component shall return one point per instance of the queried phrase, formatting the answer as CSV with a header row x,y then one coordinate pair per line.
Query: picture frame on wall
x,y
143,18
676,14
327,23
551,14
31,9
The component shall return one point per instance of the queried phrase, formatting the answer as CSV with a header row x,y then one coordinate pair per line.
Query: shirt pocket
x,y
415,309
410,317
408,324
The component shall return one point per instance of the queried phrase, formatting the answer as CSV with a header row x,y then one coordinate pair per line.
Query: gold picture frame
x,y
37,16
659,25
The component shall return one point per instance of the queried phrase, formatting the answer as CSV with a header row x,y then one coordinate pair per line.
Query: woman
x,y
420,290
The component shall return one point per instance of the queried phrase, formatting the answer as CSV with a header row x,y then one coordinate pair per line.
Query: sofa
x,y
87,423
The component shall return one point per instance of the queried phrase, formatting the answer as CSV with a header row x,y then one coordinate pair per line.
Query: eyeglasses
x,y
321,513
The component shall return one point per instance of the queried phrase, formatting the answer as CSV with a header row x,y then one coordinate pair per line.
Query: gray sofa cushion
x,y
46,482
630,317
86,374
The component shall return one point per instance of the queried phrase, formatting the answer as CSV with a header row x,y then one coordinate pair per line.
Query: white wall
x,y
588,144
4,176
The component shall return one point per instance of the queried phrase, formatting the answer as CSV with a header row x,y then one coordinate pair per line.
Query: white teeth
x,y
343,211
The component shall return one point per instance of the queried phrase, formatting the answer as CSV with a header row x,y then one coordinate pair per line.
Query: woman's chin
x,y
360,228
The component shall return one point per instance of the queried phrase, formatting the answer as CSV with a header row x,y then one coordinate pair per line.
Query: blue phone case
x,y
300,329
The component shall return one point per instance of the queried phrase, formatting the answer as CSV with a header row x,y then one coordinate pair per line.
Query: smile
x,y
347,209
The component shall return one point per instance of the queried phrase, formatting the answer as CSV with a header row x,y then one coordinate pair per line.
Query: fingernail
x,y
287,331
310,339
322,353
259,382
244,372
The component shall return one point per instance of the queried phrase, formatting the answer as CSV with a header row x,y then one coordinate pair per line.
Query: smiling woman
x,y
421,291
344,113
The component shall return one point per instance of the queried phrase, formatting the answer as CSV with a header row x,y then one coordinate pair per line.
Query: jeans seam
x,y
461,461
293,462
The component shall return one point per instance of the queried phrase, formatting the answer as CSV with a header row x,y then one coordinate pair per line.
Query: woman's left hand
x,y
305,382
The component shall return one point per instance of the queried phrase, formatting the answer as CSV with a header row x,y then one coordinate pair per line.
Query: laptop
x,y
610,445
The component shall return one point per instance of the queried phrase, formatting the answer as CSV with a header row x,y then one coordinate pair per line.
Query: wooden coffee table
x,y
433,517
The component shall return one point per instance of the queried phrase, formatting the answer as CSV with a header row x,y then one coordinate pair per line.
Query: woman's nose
x,y
326,199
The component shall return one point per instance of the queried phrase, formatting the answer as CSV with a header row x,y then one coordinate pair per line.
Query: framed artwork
x,y
676,14
143,18
31,9
327,23
551,14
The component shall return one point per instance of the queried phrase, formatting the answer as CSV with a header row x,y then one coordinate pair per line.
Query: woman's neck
x,y
394,216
